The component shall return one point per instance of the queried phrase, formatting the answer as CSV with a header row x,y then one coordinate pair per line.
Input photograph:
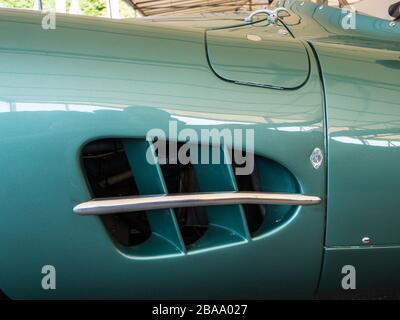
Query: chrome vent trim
x,y
164,201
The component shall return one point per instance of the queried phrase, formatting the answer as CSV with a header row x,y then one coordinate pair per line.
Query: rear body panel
x,y
364,144
361,72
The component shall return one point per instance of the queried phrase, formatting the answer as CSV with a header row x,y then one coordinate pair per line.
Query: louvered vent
x,y
119,168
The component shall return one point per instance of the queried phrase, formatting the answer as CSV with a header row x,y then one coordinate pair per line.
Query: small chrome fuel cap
x,y
316,158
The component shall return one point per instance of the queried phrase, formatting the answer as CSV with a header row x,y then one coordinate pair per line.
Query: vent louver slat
x,y
227,223
149,180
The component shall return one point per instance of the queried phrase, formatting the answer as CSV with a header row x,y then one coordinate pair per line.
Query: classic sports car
x,y
92,206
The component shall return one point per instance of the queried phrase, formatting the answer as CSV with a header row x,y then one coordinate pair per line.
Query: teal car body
x,y
301,85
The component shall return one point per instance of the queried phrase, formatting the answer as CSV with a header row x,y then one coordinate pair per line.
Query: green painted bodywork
x,y
377,270
97,78
261,55
361,76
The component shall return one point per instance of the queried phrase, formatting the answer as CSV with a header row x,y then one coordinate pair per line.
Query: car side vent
x,y
153,206
270,176
179,178
109,175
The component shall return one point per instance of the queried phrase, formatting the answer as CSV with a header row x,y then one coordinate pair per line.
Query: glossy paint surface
x,y
96,78
258,54
364,144
361,73
376,269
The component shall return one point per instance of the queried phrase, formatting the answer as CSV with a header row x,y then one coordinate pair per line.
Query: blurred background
x,y
137,8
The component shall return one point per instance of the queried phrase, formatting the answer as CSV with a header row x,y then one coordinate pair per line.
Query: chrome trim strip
x,y
164,201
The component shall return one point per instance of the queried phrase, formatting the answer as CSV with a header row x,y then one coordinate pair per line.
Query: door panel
x,y
53,103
